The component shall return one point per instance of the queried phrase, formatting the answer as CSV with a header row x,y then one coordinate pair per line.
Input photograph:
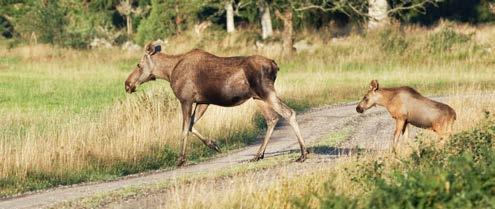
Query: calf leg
x,y
200,110
405,132
399,126
271,119
290,115
186,127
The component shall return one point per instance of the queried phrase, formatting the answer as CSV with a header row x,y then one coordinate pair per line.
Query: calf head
x,y
370,98
144,70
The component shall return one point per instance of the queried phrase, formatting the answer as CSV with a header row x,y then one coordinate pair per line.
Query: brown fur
x,y
407,106
198,77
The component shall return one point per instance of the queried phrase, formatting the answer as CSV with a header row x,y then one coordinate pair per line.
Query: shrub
x,y
445,39
393,41
460,175
158,25
47,20
50,23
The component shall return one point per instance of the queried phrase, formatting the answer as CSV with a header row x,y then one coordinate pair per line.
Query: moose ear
x,y
151,49
374,85
157,48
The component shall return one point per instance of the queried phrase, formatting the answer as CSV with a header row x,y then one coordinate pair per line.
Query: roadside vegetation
x,y
65,118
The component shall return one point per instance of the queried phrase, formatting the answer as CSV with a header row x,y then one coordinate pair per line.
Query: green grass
x,y
26,87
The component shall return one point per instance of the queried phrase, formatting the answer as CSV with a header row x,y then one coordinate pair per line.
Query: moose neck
x,y
165,64
386,96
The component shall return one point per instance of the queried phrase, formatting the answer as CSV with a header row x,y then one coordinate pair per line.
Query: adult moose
x,y
407,106
198,77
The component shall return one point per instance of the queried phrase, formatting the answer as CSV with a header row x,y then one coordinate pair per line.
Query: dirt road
x,y
371,130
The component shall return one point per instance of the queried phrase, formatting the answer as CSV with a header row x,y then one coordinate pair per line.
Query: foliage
x,y
472,11
393,41
159,24
445,39
460,175
46,20
54,21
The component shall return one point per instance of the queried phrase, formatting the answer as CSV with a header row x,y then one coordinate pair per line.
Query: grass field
x,y
64,116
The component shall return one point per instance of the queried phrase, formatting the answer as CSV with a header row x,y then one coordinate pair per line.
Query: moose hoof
x,y
214,146
257,158
181,162
302,158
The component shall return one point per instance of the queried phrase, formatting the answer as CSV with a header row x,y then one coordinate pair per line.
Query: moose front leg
x,y
271,119
186,127
399,127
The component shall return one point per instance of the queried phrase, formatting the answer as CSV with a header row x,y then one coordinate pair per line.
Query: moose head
x,y
144,70
370,98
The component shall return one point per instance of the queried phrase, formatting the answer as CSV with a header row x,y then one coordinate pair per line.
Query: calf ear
x,y
374,85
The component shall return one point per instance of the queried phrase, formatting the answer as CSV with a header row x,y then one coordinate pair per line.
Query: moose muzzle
x,y
129,88
359,109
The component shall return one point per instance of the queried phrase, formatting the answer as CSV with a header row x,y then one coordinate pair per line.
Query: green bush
x,y
58,23
445,40
158,25
46,19
393,41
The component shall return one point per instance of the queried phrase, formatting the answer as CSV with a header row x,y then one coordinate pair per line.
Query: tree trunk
x,y
178,19
129,24
287,42
377,11
230,16
266,21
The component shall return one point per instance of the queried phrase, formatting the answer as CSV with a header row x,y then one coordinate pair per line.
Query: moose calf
x,y
407,106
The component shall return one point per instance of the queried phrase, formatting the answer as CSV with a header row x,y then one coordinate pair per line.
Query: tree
x,y
287,37
266,20
45,21
159,24
229,9
125,8
377,13
374,11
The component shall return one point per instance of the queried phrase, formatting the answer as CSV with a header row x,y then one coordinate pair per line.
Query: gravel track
x,y
371,131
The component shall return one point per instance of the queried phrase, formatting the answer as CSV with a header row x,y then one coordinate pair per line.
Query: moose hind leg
x,y
200,110
290,115
271,119
212,144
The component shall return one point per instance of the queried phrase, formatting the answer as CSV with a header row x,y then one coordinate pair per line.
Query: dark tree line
x,y
75,23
